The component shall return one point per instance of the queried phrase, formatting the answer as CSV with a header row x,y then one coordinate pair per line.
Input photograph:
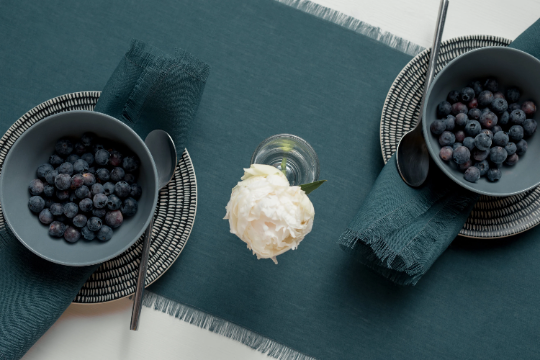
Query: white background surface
x,y
102,331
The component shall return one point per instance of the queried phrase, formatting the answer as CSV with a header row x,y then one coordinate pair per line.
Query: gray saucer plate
x,y
174,216
492,217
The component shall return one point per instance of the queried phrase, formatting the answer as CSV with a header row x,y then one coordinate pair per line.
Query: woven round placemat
x,y
173,219
492,217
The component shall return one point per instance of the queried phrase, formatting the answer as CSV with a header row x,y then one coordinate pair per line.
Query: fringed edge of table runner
x,y
356,25
222,327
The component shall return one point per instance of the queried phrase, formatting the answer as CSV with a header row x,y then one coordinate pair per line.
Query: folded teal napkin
x,y
400,231
148,90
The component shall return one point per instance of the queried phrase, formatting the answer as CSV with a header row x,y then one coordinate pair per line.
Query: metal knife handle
x,y
139,292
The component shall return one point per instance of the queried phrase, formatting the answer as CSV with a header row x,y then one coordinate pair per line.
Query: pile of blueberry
x,y
87,188
481,128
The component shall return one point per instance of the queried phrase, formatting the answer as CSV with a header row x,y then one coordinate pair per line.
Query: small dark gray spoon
x,y
412,156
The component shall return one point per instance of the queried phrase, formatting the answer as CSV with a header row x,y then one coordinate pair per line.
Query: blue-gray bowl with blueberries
x,y
479,121
78,188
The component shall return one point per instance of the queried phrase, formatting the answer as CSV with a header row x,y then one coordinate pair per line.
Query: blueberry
x,y
130,178
460,136
100,213
114,219
114,202
100,201
443,109
36,204
87,234
102,157
499,95
63,147
447,138
457,108
461,155
83,192
88,138
445,153
465,166
115,159
514,106
92,170
72,235
473,104
500,139
474,114
488,120
43,169
50,176
103,174
454,147
62,195
461,120
79,220
521,147
70,210
108,188
480,155
62,181
97,189
65,168
77,181
516,133
497,155
94,223
486,110
466,94
491,84
529,127
131,163
437,127
55,160
529,108
512,160
79,149
513,94
482,141
72,158
62,218
89,179
96,147
453,97
45,217
117,174
485,98
496,129
498,105
105,233
48,202
483,166
89,158
136,190
86,205
472,128
476,86
36,187
80,166
504,117
510,148
56,209
450,123
122,189
494,174
517,117
487,132
49,190
73,198
472,174
57,229
468,142
130,205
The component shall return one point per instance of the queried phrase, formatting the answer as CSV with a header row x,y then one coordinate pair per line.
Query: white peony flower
x,y
266,213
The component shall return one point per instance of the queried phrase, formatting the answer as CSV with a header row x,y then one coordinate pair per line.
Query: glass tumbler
x,y
294,154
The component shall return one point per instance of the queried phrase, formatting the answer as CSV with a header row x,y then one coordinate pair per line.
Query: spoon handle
x,y
137,299
432,65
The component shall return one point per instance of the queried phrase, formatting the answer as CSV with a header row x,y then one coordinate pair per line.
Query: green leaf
x,y
308,188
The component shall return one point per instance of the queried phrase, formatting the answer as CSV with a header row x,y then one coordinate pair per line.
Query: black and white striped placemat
x,y
173,219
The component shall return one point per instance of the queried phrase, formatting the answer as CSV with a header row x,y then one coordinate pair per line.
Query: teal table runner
x,y
277,70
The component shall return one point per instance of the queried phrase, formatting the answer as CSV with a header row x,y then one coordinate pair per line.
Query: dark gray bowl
x,y
34,148
511,67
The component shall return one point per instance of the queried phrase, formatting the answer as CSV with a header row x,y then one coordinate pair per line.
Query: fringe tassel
x,y
221,327
356,25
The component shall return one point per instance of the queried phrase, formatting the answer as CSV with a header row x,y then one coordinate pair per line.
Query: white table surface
x,y
102,331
